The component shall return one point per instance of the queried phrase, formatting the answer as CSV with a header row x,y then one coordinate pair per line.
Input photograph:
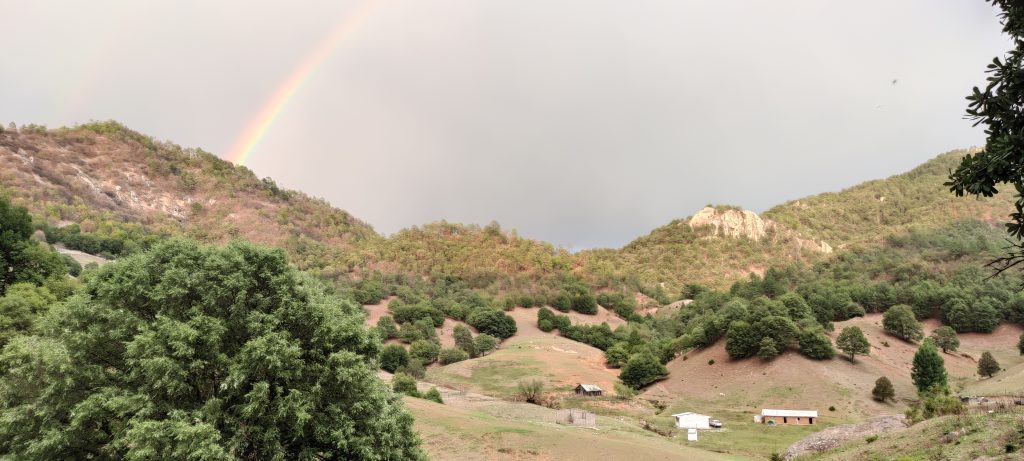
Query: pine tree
x,y
852,341
883,390
988,366
928,370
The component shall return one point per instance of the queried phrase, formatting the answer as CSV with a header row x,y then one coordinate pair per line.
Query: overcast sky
x,y
586,123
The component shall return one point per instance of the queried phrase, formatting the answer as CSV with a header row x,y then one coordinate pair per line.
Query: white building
x,y
690,420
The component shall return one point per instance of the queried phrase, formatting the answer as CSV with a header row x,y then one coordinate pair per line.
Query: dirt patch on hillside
x,y
834,436
793,381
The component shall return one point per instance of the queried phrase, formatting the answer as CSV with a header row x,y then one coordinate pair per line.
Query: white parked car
x,y
715,423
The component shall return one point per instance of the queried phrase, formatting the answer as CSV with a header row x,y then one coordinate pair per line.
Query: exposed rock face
x,y
836,435
746,223
731,223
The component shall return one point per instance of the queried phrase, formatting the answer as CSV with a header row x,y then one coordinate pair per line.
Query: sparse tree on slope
x,y
929,370
852,341
945,337
883,390
899,321
987,365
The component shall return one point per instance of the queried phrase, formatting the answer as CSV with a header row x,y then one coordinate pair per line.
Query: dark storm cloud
x,y
586,123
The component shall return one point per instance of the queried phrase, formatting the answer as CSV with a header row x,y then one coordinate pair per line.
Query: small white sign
x,y
691,435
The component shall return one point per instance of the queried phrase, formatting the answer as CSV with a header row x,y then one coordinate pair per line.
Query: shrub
x,y
711,362
624,392
641,370
1020,344
831,408
414,368
530,391
433,395
934,401
899,321
464,340
871,438
493,322
883,390
424,351
816,345
768,349
386,326
404,384
545,325
392,357
484,343
449,356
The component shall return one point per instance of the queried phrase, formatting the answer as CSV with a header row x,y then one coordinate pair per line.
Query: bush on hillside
x,y
402,383
641,370
424,351
484,343
493,322
453,355
899,321
393,357
883,390
816,345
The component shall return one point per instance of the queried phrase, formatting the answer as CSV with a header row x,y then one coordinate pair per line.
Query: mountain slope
x,y
108,178
867,212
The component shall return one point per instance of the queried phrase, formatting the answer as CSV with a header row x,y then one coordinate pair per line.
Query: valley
x,y
724,313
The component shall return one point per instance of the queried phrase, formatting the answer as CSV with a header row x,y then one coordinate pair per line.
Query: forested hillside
x,y
105,189
868,212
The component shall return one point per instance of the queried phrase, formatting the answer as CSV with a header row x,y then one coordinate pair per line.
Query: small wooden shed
x,y
589,390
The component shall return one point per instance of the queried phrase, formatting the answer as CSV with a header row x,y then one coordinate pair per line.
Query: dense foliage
x,y
998,108
192,352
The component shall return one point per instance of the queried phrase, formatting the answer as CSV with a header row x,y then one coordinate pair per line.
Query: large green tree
x,y
194,352
998,107
928,369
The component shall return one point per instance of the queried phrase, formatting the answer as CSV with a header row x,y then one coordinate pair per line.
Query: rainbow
x,y
258,126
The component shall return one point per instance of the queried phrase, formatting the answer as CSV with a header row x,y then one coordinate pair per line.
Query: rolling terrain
x,y
110,184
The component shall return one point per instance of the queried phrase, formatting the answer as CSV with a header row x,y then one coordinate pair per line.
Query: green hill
x,y
867,212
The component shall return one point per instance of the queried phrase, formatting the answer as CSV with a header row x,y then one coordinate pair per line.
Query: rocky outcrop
x,y
837,435
734,222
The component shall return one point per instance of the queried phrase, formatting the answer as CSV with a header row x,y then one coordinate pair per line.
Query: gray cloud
x,y
586,123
